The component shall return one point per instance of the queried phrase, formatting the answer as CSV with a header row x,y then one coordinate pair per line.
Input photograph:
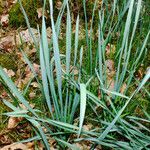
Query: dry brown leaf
x,y
49,33
25,36
5,140
35,84
99,147
99,93
110,64
39,12
58,5
12,122
110,68
30,144
15,1
111,84
19,83
140,73
24,107
124,86
32,95
7,43
110,49
88,127
32,51
5,20
79,146
4,94
18,146
52,141
9,72
36,67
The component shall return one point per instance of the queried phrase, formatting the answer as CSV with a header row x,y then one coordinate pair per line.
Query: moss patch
x,y
8,61
16,17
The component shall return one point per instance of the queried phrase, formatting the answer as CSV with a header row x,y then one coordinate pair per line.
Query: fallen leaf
x,y
110,49
30,145
124,86
110,64
49,32
35,84
32,95
15,1
5,140
88,127
140,73
58,5
110,68
4,20
7,43
24,107
25,36
99,93
4,94
36,67
111,85
18,146
9,72
52,141
39,12
12,122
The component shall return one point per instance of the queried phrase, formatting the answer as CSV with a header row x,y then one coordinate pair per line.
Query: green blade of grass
x,y
80,68
73,147
57,57
124,42
30,65
45,81
13,88
107,130
82,106
68,40
90,38
124,70
115,93
68,55
42,134
74,106
28,25
76,40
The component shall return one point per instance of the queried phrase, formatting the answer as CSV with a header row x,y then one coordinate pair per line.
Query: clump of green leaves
x,y
66,81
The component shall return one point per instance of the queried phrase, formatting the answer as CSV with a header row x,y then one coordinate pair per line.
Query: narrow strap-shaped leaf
x,y
124,42
81,55
68,54
56,57
73,147
14,89
124,70
44,80
76,40
74,106
91,36
42,134
68,40
28,25
82,106
104,134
